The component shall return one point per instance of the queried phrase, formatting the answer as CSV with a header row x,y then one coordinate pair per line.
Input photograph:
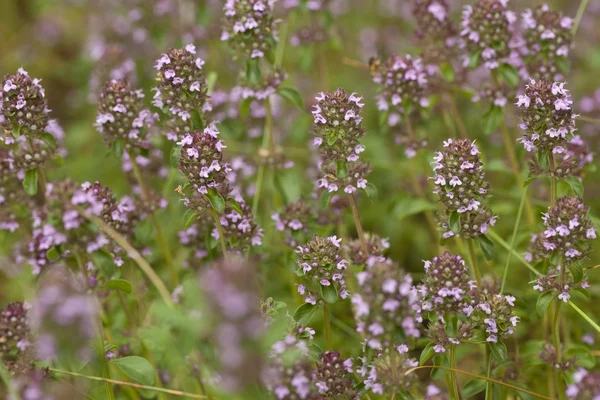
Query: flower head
x,y
181,88
249,27
322,266
548,120
332,377
403,84
487,28
548,39
122,115
462,189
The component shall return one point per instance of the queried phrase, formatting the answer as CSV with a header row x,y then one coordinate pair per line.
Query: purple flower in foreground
x,y
231,289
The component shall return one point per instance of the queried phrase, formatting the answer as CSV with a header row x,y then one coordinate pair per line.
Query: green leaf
x,y
499,351
16,132
410,206
447,71
440,359
197,123
577,272
105,262
371,190
452,325
235,206
216,200
426,354
492,119
117,148
175,156
575,184
563,64
245,107
293,96
211,80
53,254
544,301
119,284
454,222
486,245
341,169
304,313
137,368
329,293
509,74
325,198
253,73
30,182
473,387
474,59
49,139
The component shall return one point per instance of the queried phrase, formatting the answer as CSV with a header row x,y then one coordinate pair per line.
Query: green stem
x,y
552,180
516,167
359,230
220,230
327,324
133,254
578,16
488,385
7,381
585,316
514,237
474,265
454,393
130,384
160,238
267,150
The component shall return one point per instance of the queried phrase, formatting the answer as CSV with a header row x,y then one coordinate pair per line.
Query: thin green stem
x,y
220,230
514,237
267,150
585,316
7,381
327,324
132,253
518,256
160,238
474,266
552,180
454,393
516,167
578,16
130,384
488,385
359,230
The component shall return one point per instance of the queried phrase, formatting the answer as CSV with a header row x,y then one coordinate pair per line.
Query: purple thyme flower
x,y
403,83
333,379
249,27
487,28
181,89
548,39
122,115
548,119
321,264
568,230
63,316
460,183
383,304
231,290
447,286
586,384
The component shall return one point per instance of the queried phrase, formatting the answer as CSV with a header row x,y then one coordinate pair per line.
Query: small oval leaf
x,y
137,368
